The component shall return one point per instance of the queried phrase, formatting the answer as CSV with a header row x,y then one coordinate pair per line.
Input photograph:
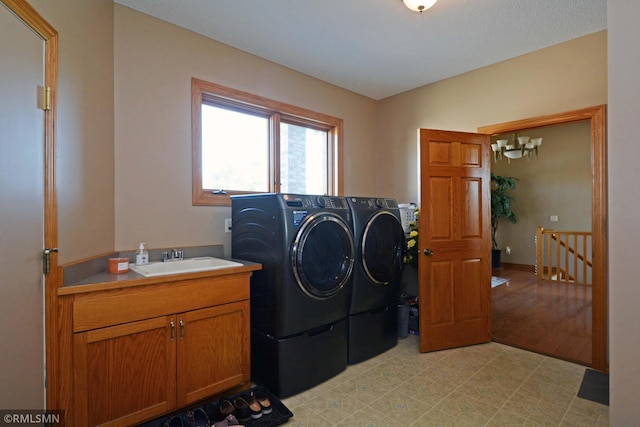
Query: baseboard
x,y
520,267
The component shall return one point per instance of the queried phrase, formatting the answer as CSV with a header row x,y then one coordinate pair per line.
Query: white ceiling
x,y
379,48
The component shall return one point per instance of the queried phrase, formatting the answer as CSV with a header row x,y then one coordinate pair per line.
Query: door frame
x,y
597,117
49,35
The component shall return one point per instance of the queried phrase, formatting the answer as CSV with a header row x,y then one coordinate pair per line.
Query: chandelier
x,y
419,5
525,146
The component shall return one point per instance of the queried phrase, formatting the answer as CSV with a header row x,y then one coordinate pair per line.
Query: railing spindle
x,y
567,253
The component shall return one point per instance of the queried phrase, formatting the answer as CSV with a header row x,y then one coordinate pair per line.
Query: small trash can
x,y
414,323
403,319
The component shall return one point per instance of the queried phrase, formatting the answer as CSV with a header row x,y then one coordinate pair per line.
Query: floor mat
x,y
595,387
497,281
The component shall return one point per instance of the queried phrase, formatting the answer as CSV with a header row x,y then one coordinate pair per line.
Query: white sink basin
x,y
190,265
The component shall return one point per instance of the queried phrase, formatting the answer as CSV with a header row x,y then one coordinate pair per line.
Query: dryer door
x,y
383,248
322,255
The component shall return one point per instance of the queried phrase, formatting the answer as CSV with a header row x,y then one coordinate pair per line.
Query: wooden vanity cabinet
x,y
124,373
211,351
140,353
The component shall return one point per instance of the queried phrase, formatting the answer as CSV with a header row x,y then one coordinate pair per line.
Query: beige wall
x,y
85,125
624,202
558,182
560,78
154,64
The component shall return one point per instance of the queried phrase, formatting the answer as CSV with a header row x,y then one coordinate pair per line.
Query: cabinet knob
x,y
173,329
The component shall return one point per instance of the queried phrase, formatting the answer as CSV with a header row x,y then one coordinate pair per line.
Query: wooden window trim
x,y
203,91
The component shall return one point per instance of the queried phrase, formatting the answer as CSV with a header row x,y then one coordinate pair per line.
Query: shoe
x,y
212,409
231,420
174,421
226,407
219,410
254,407
242,412
197,418
263,399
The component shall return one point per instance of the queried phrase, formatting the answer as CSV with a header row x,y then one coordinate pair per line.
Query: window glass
x,y
235,150
303,160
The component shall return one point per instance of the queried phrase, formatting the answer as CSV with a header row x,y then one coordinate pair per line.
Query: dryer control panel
x,y
372,203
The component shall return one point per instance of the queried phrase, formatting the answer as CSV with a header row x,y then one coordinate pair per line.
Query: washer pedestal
x,y
372,333
290,365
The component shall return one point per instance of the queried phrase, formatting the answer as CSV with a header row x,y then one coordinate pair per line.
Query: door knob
x,y
428,252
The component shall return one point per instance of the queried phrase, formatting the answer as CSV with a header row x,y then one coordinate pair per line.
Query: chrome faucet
x,y
173,255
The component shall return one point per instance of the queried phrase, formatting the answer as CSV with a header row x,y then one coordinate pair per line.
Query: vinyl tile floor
x,y
483,385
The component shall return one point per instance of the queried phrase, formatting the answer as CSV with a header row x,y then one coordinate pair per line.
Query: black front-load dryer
x,y
300,298
380,243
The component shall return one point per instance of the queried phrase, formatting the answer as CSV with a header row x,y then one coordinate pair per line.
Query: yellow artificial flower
x,y
411,237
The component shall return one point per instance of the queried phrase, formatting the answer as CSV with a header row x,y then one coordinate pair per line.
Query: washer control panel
x,y
309,201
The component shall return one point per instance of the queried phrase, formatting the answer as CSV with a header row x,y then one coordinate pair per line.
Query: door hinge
x,y
44,102
46,259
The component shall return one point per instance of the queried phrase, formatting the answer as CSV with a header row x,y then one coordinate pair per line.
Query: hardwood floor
x,y
542,316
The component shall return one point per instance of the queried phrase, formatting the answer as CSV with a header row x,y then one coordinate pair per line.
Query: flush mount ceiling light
x,y
419,5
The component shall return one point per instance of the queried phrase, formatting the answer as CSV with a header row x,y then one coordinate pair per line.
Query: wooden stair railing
x,y
564,256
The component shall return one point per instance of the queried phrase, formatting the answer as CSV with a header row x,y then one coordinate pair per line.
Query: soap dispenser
x,y
142,256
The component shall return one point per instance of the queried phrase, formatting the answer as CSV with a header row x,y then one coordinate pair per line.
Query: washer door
x,y
383,248
322,255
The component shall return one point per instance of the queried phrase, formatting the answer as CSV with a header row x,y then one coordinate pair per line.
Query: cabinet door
x,y
126,373
213,350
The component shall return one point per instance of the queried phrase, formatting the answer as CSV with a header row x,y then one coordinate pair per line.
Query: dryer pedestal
x,y
288,366
372,332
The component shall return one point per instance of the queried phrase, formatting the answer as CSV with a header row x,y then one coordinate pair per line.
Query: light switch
x,y
553,218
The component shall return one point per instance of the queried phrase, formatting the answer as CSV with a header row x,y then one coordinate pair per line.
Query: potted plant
x,y
501,200
410,272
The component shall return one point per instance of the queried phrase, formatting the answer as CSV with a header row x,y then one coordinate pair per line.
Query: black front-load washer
x,y
300,299
380,246
305,245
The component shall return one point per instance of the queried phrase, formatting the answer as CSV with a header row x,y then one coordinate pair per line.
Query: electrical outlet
x,y
227,225
553,218
507,250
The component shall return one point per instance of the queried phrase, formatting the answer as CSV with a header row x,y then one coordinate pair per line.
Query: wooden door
x,y
16,383
213,350
125,374
21,215
455,240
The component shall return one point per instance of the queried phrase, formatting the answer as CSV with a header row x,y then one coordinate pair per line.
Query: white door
x,y
21,216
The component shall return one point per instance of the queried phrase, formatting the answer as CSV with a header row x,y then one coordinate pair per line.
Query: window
x,y
244,143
